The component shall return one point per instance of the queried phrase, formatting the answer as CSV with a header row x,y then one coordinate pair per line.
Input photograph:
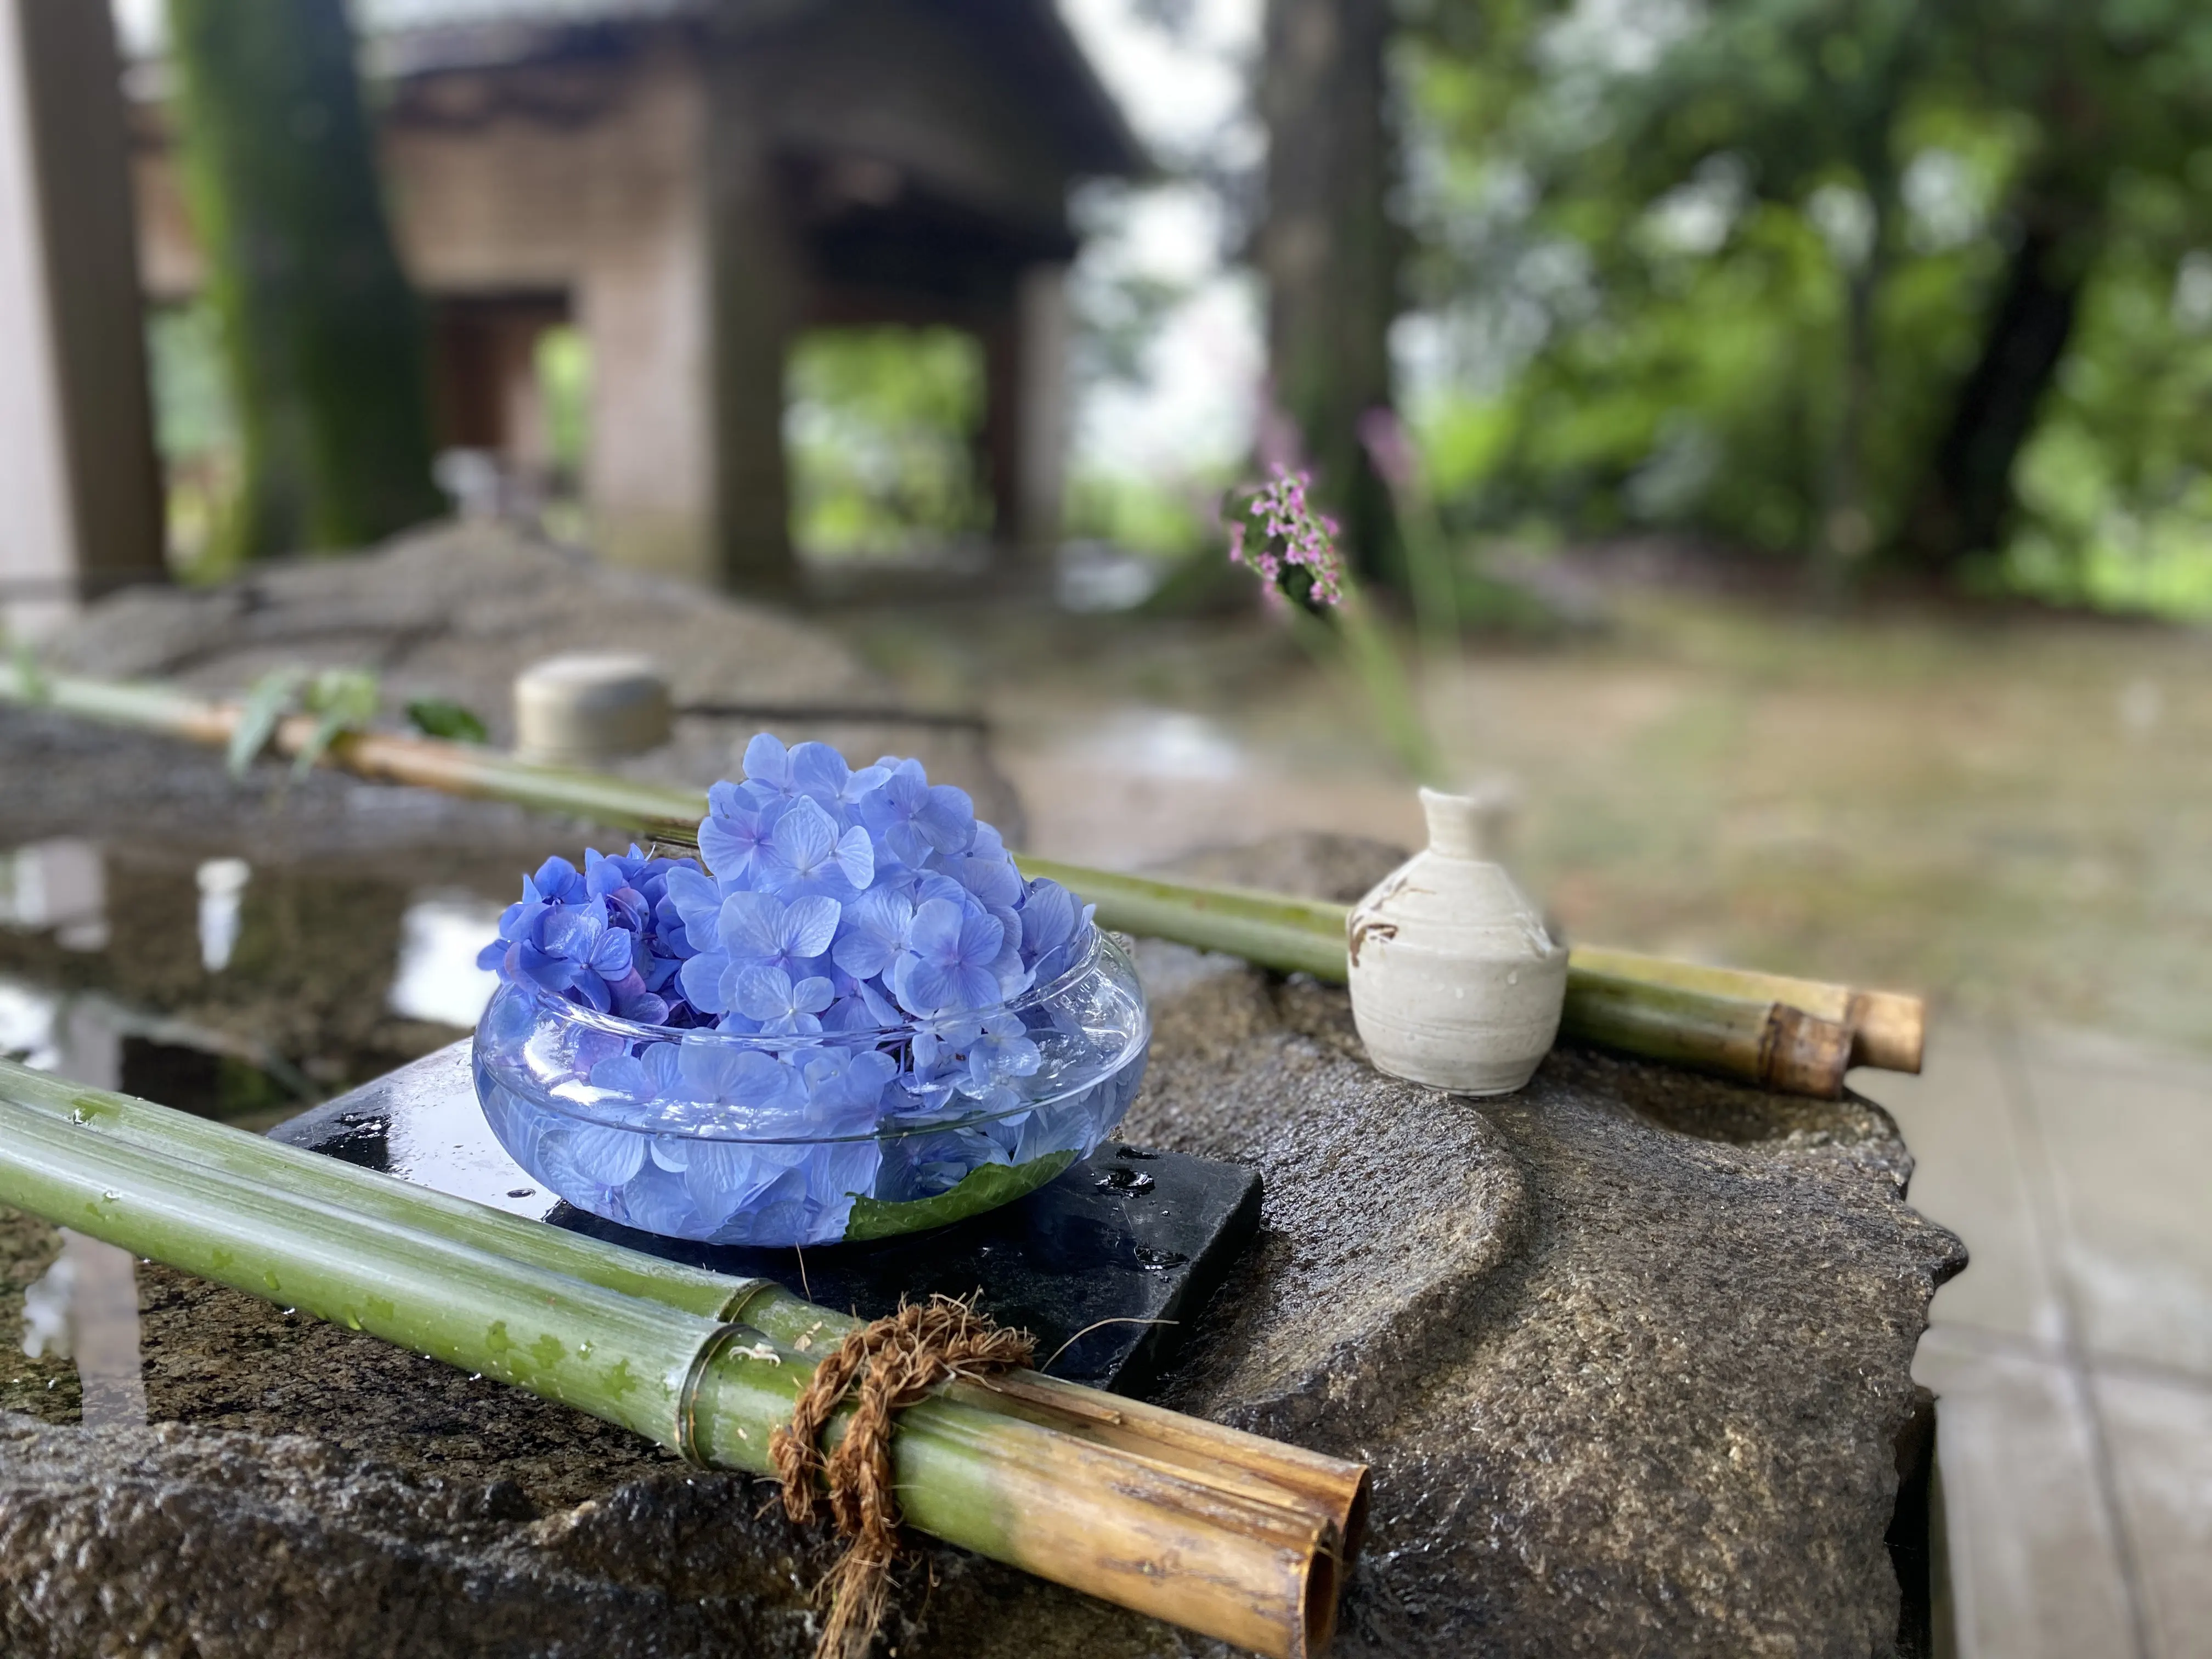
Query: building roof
x,y
1026,40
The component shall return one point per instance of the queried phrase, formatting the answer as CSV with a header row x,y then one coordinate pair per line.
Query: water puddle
x,y
85,1308
437,977
237,987
223,982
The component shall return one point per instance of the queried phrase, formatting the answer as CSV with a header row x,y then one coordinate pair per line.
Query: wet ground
x,y
2013,815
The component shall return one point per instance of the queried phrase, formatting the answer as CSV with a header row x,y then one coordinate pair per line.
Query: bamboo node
x,y
888,1365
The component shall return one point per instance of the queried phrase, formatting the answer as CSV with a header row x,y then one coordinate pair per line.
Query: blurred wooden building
x,y
691,182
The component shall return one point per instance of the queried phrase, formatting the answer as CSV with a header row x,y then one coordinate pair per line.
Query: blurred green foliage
x,y
1744,267
1162,519
883,425
562,359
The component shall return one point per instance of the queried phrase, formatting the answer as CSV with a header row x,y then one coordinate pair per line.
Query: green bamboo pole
x,y
1244,1565
1617,999
1274,930
617,1356
453,767
310,1176
1226,1457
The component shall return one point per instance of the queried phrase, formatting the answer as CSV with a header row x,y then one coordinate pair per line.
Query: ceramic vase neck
x,y
1467,826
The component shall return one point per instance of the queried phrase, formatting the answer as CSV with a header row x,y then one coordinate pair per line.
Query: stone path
x,y
2074,1360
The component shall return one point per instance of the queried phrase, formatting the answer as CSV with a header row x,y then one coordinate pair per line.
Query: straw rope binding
x,y
890,1364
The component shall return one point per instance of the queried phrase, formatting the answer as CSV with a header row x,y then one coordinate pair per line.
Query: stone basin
x,y
1629,1353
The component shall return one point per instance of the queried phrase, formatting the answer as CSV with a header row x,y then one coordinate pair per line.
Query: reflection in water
x,y
86,1308
27,1026
222,895
57,885
94,1039
438,978
68,1035
1165,743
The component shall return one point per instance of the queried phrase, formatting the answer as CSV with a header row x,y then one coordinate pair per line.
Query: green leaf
x,y
442,717
346,699
350,695
266,701
982,1188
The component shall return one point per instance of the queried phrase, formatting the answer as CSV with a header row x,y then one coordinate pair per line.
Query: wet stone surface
x,y
1629,1353
455,612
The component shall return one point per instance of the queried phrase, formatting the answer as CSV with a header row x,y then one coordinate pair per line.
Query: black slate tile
x,y
1104,1265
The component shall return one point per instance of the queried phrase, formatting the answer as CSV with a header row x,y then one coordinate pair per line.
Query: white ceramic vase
x,y
1455,981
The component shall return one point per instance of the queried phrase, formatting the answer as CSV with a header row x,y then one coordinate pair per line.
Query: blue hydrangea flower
x,y
572,949
1055,929
914,817
860,1006
854,935
874,934
729,834
805,854
781,1008
947,964
756,930
845,1088
812,769
1001,1051
694,901
556,881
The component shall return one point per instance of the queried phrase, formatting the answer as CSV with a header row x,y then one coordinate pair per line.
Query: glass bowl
x,y
816,1137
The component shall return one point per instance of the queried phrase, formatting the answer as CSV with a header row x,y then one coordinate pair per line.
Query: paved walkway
x,y
2074,1358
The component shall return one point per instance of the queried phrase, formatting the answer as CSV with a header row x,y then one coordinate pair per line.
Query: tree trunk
x,y
1330,253
1966,504
754,257
324,338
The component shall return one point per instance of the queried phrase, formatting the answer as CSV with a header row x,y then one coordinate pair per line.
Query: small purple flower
x,y
947,966
1277,535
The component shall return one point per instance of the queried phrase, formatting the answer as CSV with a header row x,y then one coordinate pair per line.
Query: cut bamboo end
x,y
1331,1489
1801,1053
1889,1031
1887,1028
1768,1043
